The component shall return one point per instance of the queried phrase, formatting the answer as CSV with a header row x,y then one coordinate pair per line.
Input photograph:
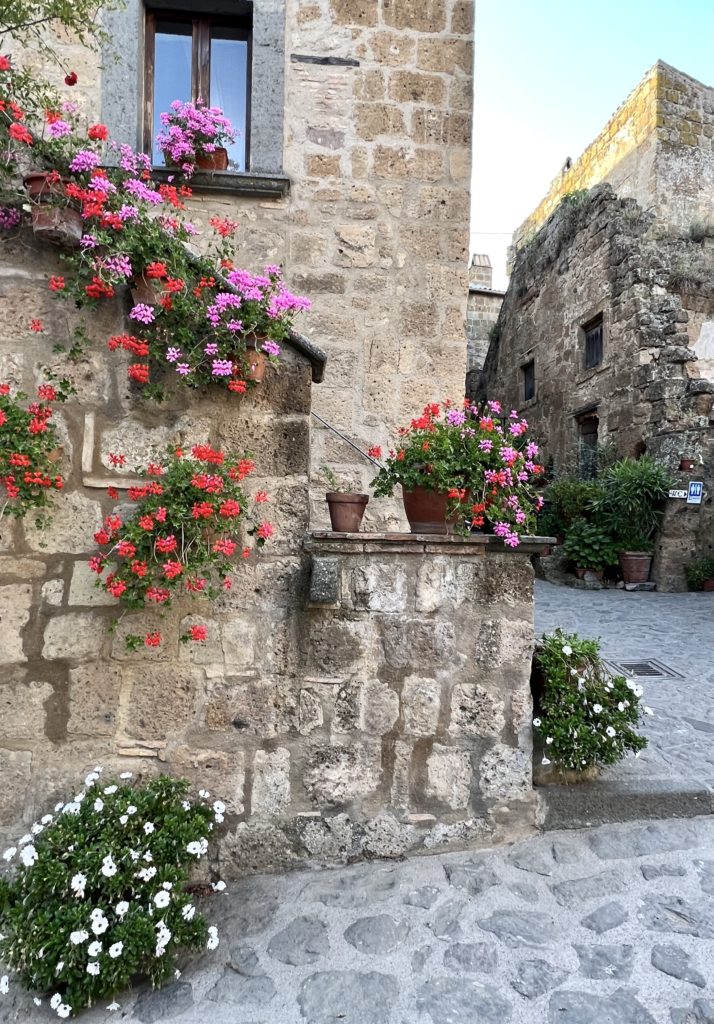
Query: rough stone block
x,y
22,710
416,15
476,711
362,13
375,119
371,707
270,794
93,700
82,589
336,648
421,705
221,772
417,87
339,775
324,581
506,774
76,636
161,701
75,519
449,776
238,637
379,588
14,615
16,773
310,713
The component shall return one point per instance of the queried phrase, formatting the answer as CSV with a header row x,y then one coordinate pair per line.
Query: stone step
x,y
607,802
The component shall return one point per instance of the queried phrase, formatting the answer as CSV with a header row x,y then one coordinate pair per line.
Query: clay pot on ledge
x,y
215,161
346,510
145,290
41,186
686,465
58,225
635,566
426,511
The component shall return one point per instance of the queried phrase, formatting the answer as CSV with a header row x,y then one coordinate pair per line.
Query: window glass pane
x,y
229,87
172,72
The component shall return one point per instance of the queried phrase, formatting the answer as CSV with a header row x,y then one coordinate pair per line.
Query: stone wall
x,y
599,254
484,304
375,225
658,148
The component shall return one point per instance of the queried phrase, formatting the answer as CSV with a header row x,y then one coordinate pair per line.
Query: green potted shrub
x,y
589,548
700,573
586,717
630,506
568,500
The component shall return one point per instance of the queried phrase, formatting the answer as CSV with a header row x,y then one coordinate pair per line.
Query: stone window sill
x,y
586,375
273,186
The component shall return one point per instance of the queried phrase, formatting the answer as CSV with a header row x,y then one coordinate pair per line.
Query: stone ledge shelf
x,y
475,545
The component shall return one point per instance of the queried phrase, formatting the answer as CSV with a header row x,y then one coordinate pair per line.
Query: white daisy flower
x,y
109,790
4,985
218,886
131,809
213,940
9,853
194,849
126,775
55,1000
204,794
93,968
98,804
59,967
28,856
567,650
116,950
219,807
162,899
94,948
549,740
647,711
597,709
610,731
109,868
91,779
188,911
121,908
123,818
536,722
177,974
99,925
114,1006
37,828
167,885
77,884
46,819
76,938
36,1001
149,827
64,1010
545,760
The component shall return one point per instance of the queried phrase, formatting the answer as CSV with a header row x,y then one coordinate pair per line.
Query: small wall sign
x,y
677,494
695,492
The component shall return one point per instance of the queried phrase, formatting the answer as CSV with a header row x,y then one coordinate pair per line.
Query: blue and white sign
x,y
694,494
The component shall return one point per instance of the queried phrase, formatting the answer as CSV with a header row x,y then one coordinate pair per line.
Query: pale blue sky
x,y
549,75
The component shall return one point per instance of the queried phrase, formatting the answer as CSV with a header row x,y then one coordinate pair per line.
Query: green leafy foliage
x,y
568,500
588,546
24,20
631,502
585,715
98,895
698,571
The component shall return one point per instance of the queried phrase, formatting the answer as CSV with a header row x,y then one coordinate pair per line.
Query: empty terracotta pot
x,y
346,510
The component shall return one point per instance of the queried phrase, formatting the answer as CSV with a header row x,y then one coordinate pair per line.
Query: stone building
x,y
363,696
484,304
606,334
604,338
656,148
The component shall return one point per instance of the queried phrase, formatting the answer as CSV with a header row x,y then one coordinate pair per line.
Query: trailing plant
x,y
182,535
476,456
588,546
698,571
28,450
631,503
585,715
191,130
98,896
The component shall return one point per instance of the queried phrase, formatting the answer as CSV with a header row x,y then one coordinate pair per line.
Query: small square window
x,y
593,342
529,386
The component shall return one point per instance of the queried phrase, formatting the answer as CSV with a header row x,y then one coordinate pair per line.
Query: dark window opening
x,y
529,385
593,343
588,446
192,58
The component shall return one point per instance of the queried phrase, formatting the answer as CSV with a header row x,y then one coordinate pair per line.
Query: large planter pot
x,y
708,585
58,225
215,161
43,185
426,511
346,510
635,566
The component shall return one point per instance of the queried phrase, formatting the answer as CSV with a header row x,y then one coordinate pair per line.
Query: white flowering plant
x,y
585,715
97,897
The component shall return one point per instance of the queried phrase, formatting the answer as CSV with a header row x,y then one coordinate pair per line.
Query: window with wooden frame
x,y
593,334
192,57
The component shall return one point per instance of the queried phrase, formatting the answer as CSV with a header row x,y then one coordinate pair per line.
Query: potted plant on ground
x,y
464,467
700,573
589,548
193,136
585,717
630,507
568,500
346,508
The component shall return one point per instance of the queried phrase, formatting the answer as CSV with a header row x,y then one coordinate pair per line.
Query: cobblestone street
x,y
609,925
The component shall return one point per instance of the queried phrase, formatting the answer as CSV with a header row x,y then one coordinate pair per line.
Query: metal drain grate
x,y
649,669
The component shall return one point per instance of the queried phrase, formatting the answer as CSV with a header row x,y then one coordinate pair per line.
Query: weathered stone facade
x,y
484,305
658,148
600,255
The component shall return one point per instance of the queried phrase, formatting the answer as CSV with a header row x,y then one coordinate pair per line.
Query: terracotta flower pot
x,y
346,510
708,585
146,291
635,566
41,185
215,161
426,511
686,465
257,363
58,225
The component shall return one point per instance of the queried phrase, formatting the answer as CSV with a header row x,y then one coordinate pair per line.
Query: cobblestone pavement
x,y
613,925
676,629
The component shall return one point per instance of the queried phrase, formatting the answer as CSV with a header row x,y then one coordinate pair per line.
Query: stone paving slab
x,y
613,925
675,774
